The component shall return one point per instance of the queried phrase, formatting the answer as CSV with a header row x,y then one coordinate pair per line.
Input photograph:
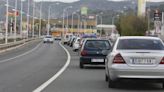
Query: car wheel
x,y
106,78
111,83
81,65
74,50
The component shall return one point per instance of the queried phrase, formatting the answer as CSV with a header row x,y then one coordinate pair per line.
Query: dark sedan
x,y
94,51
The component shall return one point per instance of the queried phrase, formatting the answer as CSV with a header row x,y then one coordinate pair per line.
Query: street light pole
x,y
113,19
49,10
78,22
162,23
67,19
28,16
64,16
96,20
15,22
21,28
33,28
72,21
101,27
63,24
40,23
7,16
162,18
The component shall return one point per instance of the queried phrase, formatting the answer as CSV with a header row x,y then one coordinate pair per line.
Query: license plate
x,y
142,61
97,60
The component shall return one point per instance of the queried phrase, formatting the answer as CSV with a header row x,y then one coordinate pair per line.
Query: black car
x,y
94,51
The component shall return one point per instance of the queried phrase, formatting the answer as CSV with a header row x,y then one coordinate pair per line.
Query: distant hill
x,y
57,10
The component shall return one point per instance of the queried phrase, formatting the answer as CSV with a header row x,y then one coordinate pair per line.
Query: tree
x,y
132,25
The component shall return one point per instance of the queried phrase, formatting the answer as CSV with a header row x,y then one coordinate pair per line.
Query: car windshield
x,y
97,45
140,44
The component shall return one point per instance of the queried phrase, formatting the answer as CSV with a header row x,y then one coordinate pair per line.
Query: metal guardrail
x,y
13,44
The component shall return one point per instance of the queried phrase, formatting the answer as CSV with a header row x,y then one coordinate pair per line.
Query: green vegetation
x,y
132,25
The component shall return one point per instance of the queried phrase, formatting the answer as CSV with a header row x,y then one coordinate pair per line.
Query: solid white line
x,y
21,54
44,85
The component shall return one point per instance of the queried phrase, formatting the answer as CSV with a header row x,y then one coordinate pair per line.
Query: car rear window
x,y
97,45
78,40
67,36
48,37
140,44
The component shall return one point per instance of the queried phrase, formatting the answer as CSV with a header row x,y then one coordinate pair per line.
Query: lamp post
x,y
99,15
21,27
33,28
40,22
72,21
78,21
15,22
113,21
64,18
49,9
7,16
28,17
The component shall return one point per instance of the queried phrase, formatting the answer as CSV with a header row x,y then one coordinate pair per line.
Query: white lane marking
x,y
44,85
21,54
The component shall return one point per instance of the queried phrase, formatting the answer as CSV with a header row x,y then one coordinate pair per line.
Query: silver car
x,y
135,58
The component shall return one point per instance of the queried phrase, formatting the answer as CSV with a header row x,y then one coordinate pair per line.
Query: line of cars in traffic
x,y
129,57
50,38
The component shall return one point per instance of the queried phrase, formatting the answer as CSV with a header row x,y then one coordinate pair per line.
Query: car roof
x,y
139,37
48,36
96,39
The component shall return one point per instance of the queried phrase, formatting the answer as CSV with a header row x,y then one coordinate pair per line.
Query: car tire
x,y
74,50
163,85
106,78
111,83
81,65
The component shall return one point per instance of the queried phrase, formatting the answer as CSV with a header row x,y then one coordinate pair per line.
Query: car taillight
x,y
118,59
162,61
83,53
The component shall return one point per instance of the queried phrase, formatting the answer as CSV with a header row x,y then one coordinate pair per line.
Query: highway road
x,y
27,68
92,79
36,65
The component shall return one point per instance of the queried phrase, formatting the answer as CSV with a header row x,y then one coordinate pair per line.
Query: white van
x,y
67,37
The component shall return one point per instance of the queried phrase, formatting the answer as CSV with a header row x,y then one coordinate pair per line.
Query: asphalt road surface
x,y
92,79
27,72
26,68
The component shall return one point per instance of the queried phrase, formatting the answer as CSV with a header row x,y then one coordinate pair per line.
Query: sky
x,y
69,1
